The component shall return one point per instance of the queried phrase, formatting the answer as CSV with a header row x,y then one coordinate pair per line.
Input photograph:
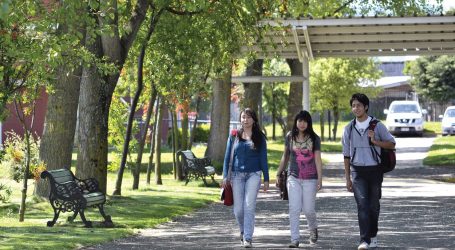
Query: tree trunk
x,y
152,140
219,126
295,92
94,102
184,124
57,142
175,136
329,121
141,146
97,90
193,130
26,171
336,116
253,91
159,122
322,123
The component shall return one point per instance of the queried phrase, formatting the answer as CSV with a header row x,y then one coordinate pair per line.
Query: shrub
x,y
5,193
14,158
202,133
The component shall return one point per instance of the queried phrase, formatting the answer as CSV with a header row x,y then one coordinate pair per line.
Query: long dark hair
x,y
257,134
304,115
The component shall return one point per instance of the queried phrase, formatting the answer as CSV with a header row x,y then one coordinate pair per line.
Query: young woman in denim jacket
x,y
303,153
249,162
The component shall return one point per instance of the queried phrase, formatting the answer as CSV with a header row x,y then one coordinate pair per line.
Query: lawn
x,y
442,153
135,209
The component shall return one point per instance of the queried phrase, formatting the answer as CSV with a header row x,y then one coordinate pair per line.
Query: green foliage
x,y
5,193
201,133
118,117
14,159
334,80
434,77
275,94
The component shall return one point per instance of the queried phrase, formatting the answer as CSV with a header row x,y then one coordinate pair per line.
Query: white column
x,y
306,83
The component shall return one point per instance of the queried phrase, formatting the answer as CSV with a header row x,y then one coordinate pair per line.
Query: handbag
x,y
283,188
227,195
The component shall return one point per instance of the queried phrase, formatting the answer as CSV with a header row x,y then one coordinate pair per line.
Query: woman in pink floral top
x,y
302,156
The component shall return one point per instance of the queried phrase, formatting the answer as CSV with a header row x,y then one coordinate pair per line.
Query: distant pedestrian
x,y
249,161
361,159
302,157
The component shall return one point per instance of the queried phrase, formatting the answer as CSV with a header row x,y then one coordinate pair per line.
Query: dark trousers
x,y
367,186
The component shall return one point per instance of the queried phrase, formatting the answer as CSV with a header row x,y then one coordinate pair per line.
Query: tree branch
x,y
343,6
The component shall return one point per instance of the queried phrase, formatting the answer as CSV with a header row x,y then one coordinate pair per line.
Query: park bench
x,y
70,194
195,168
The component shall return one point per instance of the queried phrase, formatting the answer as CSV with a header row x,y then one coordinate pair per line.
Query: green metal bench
x,y
70,194
195,168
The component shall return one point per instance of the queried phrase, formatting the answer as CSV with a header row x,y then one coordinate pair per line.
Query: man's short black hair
x,y
362,98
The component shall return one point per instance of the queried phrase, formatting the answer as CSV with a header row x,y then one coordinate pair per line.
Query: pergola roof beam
x,y
360,21
308,43
251,79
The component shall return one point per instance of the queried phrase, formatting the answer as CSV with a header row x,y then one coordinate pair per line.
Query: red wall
x,y
13,123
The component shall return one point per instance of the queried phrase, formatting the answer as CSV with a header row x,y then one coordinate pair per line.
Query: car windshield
x,y
404,108
450,113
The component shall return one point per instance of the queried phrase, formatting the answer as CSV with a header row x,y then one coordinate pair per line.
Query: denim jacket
x,y
245,158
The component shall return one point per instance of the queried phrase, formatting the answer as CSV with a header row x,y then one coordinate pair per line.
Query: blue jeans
x,y
367,192
245,186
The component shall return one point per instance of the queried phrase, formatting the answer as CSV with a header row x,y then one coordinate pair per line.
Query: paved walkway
x,y
415,214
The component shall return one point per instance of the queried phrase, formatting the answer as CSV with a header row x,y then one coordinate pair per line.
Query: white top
x,y
362,126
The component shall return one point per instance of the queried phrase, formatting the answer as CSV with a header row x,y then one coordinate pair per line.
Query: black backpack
x,y
387,156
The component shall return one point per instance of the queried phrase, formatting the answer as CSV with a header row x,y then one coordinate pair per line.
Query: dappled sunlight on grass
x,y
147,207
442,152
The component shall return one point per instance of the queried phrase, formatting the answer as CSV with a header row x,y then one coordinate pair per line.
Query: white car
x,y
448,121
405,117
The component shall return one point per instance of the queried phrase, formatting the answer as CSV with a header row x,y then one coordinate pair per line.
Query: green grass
x,y
432,128
135,209
442,152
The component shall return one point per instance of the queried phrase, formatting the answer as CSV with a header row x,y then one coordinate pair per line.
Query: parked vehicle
x,y
448,121
405,117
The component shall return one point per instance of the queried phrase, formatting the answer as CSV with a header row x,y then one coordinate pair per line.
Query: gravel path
x,y
416,213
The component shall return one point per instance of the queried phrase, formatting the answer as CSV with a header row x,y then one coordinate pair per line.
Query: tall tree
x,y
57,142
335,79
132,111
434,77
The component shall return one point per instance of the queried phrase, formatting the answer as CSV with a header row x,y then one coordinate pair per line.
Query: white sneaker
x,y
363,246
374,242
247,244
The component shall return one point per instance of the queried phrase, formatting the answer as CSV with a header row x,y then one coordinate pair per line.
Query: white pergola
x,y
305,39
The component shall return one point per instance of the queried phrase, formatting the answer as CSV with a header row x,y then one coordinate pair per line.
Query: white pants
x,y
302,198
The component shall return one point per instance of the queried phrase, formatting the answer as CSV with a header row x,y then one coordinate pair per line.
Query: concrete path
x,y
416,213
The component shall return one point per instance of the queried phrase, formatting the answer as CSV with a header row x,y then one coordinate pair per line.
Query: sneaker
x,y
294,244
363,246
241,239
374,242
314,236
247,244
